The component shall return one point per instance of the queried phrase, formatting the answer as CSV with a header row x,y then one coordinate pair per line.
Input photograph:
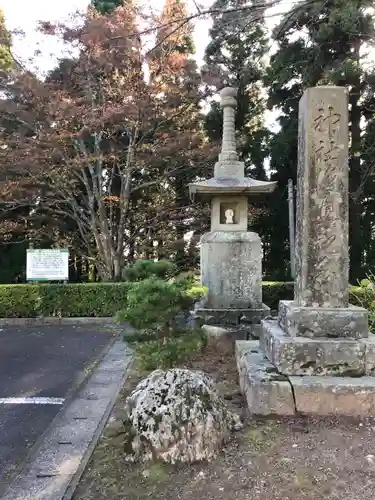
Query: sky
x,y
25,14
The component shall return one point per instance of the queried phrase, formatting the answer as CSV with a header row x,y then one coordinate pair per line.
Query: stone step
x,y
317,356
228,317
270,393
354,397
231,332
266,391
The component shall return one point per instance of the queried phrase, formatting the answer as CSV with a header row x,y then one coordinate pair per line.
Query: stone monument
x,y
318,355
231,256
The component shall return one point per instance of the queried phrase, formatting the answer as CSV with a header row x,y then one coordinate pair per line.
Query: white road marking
x,y
31,401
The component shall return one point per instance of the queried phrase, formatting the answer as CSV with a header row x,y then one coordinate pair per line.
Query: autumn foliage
x,y
98,144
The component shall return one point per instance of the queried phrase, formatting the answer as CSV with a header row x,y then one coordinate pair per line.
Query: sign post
x,y
47,264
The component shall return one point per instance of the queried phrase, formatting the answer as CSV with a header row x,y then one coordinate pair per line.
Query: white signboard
x,y
47,265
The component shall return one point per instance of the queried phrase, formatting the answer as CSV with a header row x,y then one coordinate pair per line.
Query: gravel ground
x,y
288,459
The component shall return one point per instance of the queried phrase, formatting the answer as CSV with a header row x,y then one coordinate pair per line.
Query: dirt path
x,y
293,459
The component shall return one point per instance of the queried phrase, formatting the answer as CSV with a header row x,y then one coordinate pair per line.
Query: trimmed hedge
x,y
363,297
274,291
69,300
106,299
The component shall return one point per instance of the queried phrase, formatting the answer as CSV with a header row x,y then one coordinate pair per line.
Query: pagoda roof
x,y
229,186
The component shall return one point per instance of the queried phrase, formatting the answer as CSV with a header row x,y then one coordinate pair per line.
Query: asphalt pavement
x,y
40,369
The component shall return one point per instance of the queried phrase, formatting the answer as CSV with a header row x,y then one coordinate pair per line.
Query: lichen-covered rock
x,y
176,416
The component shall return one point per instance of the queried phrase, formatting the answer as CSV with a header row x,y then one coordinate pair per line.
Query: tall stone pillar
x,y
321,307
322,251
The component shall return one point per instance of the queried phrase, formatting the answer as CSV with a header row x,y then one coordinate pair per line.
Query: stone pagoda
x,y
231,256
318,355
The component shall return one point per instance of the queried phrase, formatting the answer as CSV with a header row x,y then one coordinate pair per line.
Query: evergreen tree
x,y
106,6
6,58
174,47
319,44
367,186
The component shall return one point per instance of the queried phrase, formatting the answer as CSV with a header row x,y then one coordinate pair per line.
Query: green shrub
x,y
69,300
169,352
360,296
21,301
364,296
143,269
274,291
152,308
134,337
153,304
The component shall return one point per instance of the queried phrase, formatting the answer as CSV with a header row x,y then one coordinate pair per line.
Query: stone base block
x,y
298,321
240,332
318,356
231,316
255,331
267,392
354,397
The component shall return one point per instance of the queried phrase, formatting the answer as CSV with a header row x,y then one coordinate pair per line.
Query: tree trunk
x,y
79,271
117,267
94,273
181,200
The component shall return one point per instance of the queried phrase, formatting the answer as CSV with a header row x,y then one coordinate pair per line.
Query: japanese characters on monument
x,y
322,199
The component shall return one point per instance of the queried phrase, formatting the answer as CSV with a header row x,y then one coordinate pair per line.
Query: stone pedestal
x,y
232,317
319,342
231,268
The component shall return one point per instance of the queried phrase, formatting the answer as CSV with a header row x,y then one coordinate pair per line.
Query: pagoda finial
x,y
228,102
229,172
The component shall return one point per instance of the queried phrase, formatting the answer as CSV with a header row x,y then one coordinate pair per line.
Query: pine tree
x,y
319,44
